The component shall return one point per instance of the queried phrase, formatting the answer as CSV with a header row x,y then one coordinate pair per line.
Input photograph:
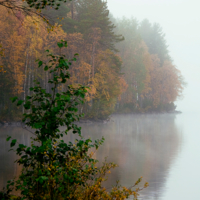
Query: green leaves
x,y
14,99
20,102
41,179
8,138
27,105
40,63
46,68
13,143
62,44
66,98
37,126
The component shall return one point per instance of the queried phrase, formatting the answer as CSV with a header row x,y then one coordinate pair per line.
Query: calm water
x,y
164,149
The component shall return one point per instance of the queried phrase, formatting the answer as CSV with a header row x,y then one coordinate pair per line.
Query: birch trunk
x,y
26,66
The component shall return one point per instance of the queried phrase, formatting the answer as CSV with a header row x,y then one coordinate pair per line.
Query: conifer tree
x,y
155,40
95,14
63,16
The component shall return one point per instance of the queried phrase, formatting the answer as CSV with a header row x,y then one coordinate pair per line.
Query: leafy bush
x,y
53,169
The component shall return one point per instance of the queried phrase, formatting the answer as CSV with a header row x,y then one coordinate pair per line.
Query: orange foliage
x,y
13,49
123,86
165,82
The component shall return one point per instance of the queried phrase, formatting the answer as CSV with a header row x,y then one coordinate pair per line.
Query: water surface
x,y
161,148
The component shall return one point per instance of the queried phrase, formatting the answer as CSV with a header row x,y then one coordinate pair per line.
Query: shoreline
x,y
90,121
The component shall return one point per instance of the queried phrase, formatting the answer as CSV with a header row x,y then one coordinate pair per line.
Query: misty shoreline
x,y
90,121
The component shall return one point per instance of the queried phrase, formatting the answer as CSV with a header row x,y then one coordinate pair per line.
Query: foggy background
x,y
179,20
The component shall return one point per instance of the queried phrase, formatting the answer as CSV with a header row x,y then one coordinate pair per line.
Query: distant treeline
x,y
125,64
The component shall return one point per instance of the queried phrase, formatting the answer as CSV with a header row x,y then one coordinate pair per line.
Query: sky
x,y
180,21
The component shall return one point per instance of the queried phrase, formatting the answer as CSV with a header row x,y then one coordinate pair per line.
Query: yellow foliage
x,y
92,189
165,82
22,43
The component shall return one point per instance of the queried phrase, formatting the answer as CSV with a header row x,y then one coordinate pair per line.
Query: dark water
x,y
162,148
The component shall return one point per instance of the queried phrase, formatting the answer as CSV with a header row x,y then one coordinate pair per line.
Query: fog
x,y
180,22
139,144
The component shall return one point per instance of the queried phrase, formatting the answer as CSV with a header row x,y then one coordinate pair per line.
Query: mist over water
x,y
142,145
162,148
179,20
9,169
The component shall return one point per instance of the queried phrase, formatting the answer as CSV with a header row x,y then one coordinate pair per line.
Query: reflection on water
x,y
142,145
9,169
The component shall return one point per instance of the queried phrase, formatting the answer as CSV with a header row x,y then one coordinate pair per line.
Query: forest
x,y
61,61
124,63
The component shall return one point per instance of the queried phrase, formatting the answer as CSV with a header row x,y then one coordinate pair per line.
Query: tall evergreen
x,y
155,40
62,16
95,14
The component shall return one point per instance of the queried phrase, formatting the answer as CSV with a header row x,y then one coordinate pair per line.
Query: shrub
x,y
51,168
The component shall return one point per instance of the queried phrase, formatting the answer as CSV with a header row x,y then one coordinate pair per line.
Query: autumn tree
x,y
22,45
154,83
166,85
108,82
96,29
30,7
123,75
12,62
105,80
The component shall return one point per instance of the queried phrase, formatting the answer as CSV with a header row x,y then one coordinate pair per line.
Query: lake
x,y
162,148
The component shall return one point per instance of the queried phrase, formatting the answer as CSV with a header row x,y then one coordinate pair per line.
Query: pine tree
x,y
155,40
95,14
63,16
